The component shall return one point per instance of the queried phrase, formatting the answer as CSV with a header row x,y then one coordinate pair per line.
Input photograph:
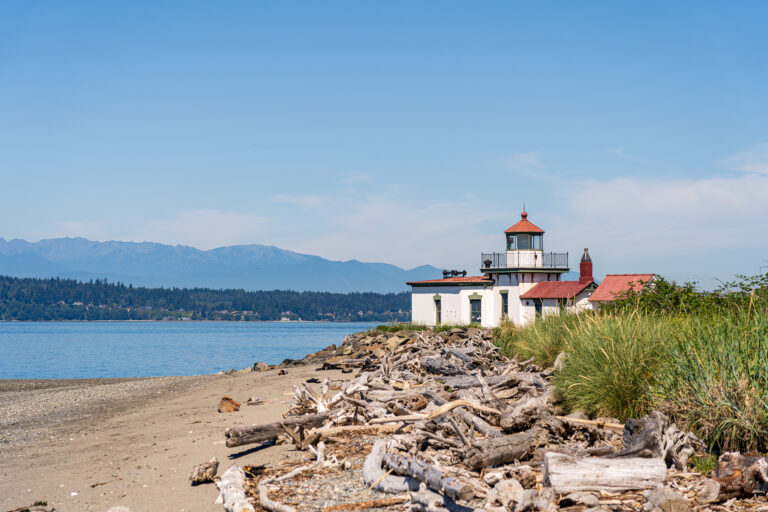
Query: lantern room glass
x,y
525,242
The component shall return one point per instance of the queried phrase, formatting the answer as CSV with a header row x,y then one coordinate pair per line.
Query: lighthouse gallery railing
x,y
527,259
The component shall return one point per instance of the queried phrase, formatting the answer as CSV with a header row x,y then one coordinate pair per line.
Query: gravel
x,y
33,409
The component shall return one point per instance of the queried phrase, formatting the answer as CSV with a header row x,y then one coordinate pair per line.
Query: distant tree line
x,y
29,299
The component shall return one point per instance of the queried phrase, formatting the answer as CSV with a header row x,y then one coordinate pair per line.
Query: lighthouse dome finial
x,y
524,215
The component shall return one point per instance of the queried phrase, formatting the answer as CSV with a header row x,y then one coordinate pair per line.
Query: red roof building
x,y
614,285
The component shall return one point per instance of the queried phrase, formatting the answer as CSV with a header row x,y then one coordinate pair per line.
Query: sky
x,y
402,132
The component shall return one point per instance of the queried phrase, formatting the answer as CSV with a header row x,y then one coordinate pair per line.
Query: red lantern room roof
x,y
524,226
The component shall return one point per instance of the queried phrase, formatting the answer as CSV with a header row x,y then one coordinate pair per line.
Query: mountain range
x,y
250,267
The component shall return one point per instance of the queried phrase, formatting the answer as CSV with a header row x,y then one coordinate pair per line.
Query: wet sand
x,y
136,440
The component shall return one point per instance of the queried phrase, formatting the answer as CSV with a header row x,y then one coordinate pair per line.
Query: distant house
x,y
516,285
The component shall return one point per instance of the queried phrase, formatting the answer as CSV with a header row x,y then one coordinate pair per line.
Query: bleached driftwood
x,y
425,500
268,504
443,409
430,474
480,424
565,474
247,434
232,492
500,450
374,476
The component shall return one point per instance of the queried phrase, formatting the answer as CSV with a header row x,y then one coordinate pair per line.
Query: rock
x,y
248,369
665,499
260,366
254,400
473,331
282,372
227,404
204,472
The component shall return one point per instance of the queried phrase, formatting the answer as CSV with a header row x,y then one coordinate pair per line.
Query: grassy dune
x,y
700,357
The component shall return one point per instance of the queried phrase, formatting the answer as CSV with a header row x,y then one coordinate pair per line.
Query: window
x,y
504,305
475,311
511,246
523,241
536,242
438,312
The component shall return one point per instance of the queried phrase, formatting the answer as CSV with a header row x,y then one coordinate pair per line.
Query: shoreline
x,y
90,444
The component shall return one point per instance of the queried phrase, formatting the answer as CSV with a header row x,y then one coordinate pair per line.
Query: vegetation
x,y
64,299
406,326
698,356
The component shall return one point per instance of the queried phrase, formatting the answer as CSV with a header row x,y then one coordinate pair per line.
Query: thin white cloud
x,y
751,160
687,228
355,177
522,161
305,202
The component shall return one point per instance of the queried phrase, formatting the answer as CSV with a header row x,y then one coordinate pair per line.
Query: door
x,y
537,305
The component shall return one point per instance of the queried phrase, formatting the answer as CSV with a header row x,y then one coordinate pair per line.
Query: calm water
x,y
47,350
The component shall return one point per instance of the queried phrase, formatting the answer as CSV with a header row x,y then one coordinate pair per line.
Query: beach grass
x,y
702,362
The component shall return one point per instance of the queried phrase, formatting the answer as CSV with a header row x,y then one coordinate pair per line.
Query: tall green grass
x,y
705,363
397,327
716,379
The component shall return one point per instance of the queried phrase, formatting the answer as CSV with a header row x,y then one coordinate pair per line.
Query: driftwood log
x,y
737,476
429,474
565,474
500,450
375,477
232,492
654,436
247,434
425,500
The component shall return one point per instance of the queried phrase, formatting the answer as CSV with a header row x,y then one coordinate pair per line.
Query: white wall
x,y
454,302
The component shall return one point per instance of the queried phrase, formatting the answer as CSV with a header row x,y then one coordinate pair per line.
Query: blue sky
x,y
405,132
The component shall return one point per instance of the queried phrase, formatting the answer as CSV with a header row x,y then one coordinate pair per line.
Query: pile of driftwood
x,y
461,427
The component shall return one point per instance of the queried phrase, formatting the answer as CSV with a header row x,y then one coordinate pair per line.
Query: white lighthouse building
x,y
517,285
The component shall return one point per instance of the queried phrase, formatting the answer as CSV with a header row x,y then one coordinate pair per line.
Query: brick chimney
x,y
585,268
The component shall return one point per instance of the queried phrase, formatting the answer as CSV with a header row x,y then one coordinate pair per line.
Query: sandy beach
x,y
89,444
